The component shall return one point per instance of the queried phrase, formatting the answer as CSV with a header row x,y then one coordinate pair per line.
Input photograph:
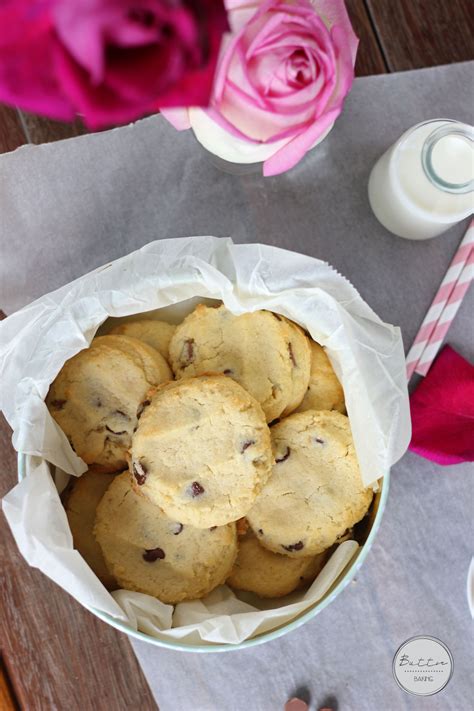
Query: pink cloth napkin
x,y
442,411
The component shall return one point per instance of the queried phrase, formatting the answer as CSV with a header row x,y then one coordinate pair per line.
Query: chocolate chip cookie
x,y
202,450
148,552
156,334
96,395
81,501
324,390
258,350
268,574
316,491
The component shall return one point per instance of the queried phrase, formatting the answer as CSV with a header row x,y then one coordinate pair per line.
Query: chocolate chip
x,y
196,489
57,404
284,457
294,546
228,371
152,554
245,445
292,355
278,317
213,528
141,407
115,433
177,528
187,354
140,473
260,531
319,440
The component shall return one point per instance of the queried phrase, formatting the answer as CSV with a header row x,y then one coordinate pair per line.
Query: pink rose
x,y
110,60
282,77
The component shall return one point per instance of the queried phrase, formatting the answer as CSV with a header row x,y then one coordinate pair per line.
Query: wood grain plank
x,y
59,656
44,130
369,57
416,33
11,130
7,698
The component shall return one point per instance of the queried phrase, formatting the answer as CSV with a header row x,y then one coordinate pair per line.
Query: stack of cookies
x,y
218,449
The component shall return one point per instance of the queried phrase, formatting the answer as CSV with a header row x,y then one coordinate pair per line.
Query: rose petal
x,y
288,156
334,12
89,27
283,74
345,67
27,77
179,118
100,106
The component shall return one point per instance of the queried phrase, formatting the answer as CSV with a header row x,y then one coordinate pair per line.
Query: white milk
x,y
424,183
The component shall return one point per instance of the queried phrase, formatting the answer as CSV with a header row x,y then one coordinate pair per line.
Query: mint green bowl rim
x,y
266,636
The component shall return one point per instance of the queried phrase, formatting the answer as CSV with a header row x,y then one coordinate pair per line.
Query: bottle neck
x,y
448,159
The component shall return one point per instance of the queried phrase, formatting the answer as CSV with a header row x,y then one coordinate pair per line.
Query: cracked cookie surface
x,y
156,334
202,450
269,574
81,503
96,394
150,553
251,348
315,492
324,390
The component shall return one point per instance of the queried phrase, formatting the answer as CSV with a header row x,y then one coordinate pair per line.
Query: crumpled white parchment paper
x,y
366,354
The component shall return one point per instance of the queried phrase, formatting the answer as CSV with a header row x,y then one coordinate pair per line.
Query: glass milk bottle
x,y
424,183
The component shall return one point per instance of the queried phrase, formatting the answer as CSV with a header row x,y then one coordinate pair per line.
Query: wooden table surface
x,y
55,654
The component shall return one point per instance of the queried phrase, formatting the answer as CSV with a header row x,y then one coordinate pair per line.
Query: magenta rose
x,y
111,61
282,77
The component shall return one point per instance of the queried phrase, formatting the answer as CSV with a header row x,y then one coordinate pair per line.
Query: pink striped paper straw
x,y
439,302
446,318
